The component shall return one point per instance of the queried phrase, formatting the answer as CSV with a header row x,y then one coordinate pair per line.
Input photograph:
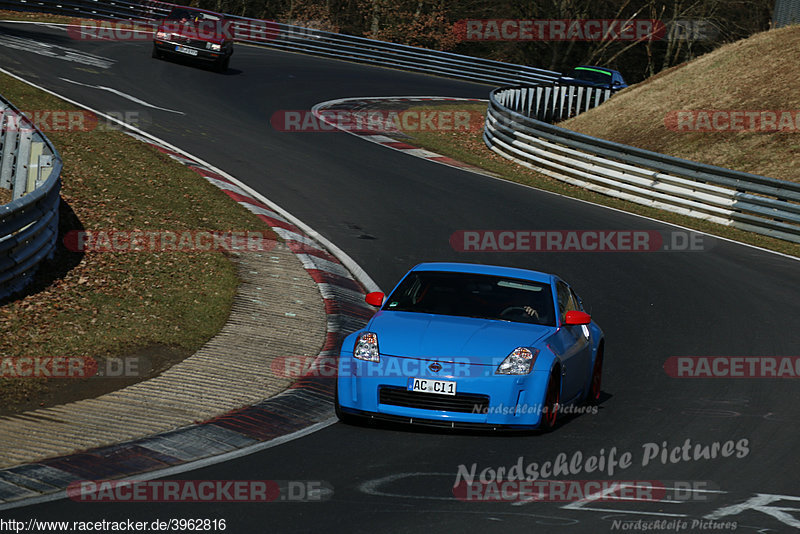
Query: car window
x,y
577,300
590,75
566,301
190,15
474,295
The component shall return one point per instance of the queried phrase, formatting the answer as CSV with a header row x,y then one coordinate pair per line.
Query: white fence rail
x,y
311,41
30,167
746,201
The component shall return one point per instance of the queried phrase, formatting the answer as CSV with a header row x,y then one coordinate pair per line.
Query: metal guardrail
x,y
554,103
741,200
31,168
312,41
786,12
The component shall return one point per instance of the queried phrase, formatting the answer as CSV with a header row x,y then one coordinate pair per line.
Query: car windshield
x,y
593,76
474,295
189,15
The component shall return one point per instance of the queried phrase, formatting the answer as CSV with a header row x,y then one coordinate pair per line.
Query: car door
x,y
572,344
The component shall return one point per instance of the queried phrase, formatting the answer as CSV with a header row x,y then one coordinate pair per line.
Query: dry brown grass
x,y
37,17
160,305
759,73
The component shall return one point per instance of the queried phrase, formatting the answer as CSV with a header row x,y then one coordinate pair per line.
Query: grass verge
x,y
756,75
37,17
467,146
159,305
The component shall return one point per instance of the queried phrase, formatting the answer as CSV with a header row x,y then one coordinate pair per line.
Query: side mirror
x,y
375,298
578,318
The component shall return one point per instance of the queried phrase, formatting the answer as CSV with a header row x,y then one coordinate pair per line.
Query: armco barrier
x,y
746,201
554,103
30,167
311,41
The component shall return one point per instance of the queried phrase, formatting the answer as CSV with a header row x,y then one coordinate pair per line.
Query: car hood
x,y
449,338
198,33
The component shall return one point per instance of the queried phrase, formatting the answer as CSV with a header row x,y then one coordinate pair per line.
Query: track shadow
x,y
63,260
422,428
197,64
33,33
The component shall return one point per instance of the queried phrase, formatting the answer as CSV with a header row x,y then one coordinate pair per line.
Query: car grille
x,y
463,403
186,41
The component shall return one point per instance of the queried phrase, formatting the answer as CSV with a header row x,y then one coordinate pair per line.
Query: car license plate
x,y
184,50
426,385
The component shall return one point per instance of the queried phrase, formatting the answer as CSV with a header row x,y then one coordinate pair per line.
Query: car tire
x,y
596,380
552,397
222,65
156,54
337,408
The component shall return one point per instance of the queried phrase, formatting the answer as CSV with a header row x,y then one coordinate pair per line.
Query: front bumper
x,y
203,54
482,397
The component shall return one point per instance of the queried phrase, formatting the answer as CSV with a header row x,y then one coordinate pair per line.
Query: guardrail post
x,y
22,163
539,91
44,167
33,165
9,147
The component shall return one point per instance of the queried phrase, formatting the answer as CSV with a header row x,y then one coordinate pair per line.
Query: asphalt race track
x,y
389,211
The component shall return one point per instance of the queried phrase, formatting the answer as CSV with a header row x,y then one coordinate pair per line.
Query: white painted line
x,y
359,273
55,51
378,138
420,153
351,265
123,95
330,291
288,235
225,185
316,263
321,106
258,210
663,514
191,466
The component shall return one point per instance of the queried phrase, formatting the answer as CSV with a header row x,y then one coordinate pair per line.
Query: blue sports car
x,y
463,345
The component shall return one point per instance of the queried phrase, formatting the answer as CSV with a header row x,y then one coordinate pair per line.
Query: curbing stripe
x,y
305,406
389,142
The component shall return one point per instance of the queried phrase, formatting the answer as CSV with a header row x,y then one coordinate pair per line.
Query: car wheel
x,y
597,379
551,399
156,54
222,65
343,417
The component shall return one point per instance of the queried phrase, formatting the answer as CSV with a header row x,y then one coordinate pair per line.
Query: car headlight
x,y
519,362
367,347
162,35
213,46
